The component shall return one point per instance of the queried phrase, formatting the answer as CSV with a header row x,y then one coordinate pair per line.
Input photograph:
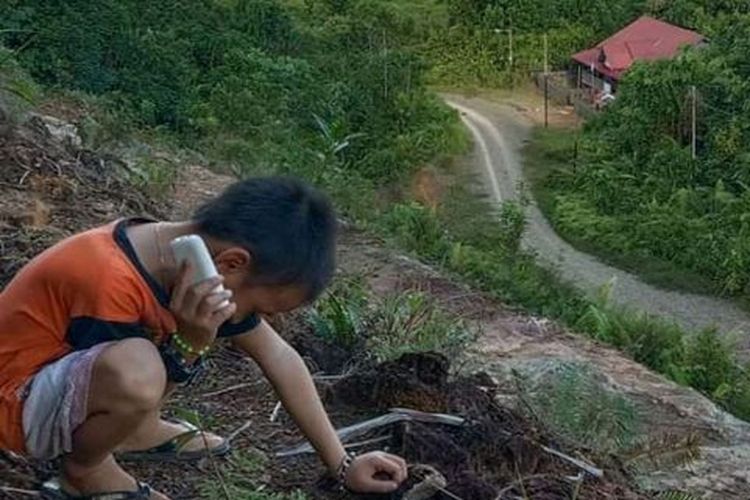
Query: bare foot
x,y
105,477
160,431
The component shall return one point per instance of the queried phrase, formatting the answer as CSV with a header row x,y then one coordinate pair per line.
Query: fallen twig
x,y
396,415
519,482
227,389
326,378
431,482
8,489
367,442
591,469
239,430
446,492
275,412
214,465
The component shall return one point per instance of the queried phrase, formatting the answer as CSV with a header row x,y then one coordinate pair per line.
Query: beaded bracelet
x,y
186,348
343,468
178,369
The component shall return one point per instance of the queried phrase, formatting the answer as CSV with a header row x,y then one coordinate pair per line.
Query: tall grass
x,y
575,406
387,327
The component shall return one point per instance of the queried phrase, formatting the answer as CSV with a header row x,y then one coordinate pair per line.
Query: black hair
x,y
288,227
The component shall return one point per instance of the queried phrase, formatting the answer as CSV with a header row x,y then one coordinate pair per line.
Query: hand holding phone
x,y
199,302
193,249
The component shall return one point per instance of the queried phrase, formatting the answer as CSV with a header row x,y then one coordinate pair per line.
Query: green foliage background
x,y
634,187
631,186
321,89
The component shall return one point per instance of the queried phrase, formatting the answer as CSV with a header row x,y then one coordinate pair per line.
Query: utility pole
x,y
546,100
694,93
510,50
510,43
385,65
510,57
546,81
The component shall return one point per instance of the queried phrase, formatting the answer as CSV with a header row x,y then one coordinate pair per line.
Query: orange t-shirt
x,y
87,289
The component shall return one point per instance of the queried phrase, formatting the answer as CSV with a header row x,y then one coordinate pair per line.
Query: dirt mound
x,y
52,188
495,454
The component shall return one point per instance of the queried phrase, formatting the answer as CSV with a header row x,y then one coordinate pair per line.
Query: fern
x,y
411,322
340,315
676,495
668,450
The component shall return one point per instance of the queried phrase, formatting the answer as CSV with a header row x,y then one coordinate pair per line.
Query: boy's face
x,y
236,265
268,300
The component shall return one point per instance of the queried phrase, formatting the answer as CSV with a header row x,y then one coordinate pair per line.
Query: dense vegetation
x,y
631,187
475,46
637,188
321,89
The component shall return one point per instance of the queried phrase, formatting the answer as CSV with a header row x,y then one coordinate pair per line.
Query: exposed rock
x,y
61,131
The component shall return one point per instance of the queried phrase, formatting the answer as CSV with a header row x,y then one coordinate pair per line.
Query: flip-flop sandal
x,y
172,450
51,490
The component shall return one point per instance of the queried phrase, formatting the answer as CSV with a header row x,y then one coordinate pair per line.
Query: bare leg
x,y
127,384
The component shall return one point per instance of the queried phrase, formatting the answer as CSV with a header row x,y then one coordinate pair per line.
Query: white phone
x,y
193,249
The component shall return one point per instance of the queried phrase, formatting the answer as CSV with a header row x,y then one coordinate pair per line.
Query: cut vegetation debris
x,y
50,189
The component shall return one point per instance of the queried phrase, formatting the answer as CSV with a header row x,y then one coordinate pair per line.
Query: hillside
x,y
120,107
649,429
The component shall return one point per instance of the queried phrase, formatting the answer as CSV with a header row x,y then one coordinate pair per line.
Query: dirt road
x,y
499,132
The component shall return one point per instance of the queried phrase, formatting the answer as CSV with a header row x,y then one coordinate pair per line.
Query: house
x,y
600,69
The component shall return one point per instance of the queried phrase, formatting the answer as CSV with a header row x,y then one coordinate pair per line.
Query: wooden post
x,y
546,54
510,57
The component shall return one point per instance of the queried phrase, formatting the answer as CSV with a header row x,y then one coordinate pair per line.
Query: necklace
x,y
159,249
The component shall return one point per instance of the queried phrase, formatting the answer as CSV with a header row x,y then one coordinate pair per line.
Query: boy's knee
x,y
133,374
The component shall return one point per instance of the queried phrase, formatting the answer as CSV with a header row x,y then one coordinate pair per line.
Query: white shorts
x,y
55,403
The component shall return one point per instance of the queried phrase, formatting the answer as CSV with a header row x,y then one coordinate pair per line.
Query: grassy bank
x,y
481,246
551,154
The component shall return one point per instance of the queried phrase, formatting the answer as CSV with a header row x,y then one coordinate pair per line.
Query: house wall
x,y
584,78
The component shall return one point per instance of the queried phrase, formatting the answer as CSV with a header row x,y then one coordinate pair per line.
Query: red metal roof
x,y
647,39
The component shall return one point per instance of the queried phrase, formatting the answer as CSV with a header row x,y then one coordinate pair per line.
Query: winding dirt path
x,y
499,133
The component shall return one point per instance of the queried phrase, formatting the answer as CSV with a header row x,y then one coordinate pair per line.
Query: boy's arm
x,y
291,379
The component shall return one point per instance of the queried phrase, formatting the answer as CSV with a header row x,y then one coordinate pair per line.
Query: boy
x,y
95,331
